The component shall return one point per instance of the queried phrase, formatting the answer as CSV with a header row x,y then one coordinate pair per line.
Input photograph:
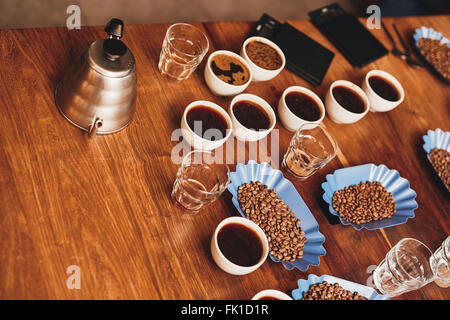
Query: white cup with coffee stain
x,y
383,90
221,87
271,294
260,73
291,120
346,102
239,246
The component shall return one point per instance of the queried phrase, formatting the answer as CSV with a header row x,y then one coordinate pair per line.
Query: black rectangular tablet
x,y
348,35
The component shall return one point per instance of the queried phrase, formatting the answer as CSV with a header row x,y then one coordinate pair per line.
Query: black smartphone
x,y
348,35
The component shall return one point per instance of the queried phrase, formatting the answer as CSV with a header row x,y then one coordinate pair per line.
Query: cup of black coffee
x,y
383,90
299,105
346,102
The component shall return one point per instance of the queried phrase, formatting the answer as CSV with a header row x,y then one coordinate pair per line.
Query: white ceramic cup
x,y
377,103
259,73
338,113
225,264
289,120
196,141
220,87
275,294
243,133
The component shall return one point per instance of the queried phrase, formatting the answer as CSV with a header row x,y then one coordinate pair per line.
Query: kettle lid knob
x,y
114,49
111,57
114,28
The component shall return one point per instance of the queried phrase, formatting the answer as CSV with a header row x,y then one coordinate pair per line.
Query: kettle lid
x,y
111,57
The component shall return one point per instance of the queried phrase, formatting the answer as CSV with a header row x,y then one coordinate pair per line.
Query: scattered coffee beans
x,y
438,54
262,205
364,202
328,291
440,159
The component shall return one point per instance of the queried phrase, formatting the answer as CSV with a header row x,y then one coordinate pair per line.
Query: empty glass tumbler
x,y
311,148
405,268
183,49
200,180
440,264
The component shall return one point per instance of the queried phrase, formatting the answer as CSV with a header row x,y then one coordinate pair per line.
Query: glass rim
x,y
444,247
422,245
327,133
228,180
194,56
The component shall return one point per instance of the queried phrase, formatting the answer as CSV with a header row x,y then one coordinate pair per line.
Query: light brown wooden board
x,y
104,204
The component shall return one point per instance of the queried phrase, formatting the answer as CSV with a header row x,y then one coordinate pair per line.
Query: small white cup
x,y
275,294
259,73
220,87
194,140
289,120
338,113
243,133
377,103
225,264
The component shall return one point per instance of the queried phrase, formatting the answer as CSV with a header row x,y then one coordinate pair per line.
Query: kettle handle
x,y
93,127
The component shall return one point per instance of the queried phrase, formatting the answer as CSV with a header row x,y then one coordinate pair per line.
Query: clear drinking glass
x,y
311,148
183,49
200,180
405,268
440,265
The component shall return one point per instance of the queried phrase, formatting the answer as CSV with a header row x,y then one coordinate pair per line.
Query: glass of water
x,y
200,180
440,264
405,268
183,49
311,148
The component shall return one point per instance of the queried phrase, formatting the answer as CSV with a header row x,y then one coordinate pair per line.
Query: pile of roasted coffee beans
x,y
438,54
262,205
440,159
328,291
364,202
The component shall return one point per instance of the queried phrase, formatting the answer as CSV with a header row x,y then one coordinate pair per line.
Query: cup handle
x,y
93,127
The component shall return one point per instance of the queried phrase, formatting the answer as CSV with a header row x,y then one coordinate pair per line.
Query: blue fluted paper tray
x,y
436,139
365,291
430,33
274,179
404,196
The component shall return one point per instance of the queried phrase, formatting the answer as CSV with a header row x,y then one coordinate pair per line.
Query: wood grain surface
x,y
104,204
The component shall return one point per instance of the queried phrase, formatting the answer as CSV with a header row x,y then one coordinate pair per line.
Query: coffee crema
x,y
240,244
263,55
303,106
384,88
349,99
205,118
251,115
230,69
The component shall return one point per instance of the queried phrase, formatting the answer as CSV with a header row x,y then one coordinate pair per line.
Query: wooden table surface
x,y
104,204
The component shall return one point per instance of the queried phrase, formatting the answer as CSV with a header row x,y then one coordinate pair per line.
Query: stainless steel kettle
x,y
98,93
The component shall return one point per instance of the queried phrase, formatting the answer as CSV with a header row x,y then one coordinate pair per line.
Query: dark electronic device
x,y
348,35
304,56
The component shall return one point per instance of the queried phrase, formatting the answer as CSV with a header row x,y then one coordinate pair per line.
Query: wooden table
x,y
104,204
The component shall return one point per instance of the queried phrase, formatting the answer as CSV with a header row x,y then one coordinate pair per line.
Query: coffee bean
x,y
437,54
364,202
328,291
282,228
440,160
